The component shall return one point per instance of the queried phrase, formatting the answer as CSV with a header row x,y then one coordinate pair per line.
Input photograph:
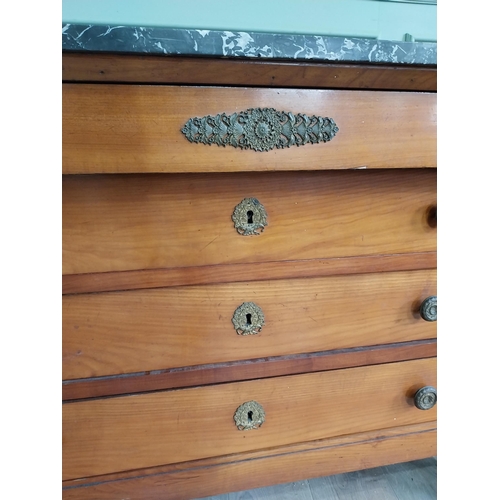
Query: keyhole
x,y
249,319
250,415
250,217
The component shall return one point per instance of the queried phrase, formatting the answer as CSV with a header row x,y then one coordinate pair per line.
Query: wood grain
x,y
233,273
136,128
279,465
133,222
133,432
412,480
327,412
192,376
259,454
125,332
133,68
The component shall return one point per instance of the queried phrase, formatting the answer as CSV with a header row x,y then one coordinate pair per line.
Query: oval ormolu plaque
x,y
248,319
260,129
249,217
249,415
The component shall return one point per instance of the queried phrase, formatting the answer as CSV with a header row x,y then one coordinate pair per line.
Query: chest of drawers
x,y
232,317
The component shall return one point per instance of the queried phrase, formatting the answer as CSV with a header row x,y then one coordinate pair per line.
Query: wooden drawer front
x,y
126,332
133,128
116,223
132,432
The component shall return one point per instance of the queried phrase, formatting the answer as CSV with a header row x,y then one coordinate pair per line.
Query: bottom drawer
x,y
132,432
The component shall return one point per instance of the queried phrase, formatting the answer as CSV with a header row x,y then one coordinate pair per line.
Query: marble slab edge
x,y
197,42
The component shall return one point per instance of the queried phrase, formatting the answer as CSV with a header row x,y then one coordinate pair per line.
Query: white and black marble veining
x,y
128,39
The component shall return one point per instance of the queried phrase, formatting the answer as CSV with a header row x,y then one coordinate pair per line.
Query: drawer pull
x,y
260,129
428,308
425,398
248,319
249,415
249,217
432,216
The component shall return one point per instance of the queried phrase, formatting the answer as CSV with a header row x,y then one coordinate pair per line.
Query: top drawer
x,y
134,128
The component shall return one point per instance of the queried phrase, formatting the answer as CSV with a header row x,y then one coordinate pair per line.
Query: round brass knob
x,y
432,216
428,308
425,398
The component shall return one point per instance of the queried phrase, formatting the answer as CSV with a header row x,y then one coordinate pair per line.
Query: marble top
x,y
196,42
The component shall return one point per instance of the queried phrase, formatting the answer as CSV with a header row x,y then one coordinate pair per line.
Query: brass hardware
x,y
431,216
260,129
249,415
428,308
425,398
249,217
248,319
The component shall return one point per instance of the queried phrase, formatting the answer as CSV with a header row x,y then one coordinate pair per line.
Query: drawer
x,y
132,432
135,331
135,128
128,222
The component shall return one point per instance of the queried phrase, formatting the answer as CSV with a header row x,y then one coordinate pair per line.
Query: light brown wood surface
x,y
345,440
132,432
267,467
127,222
340,271
135,331
139,68
412,480
232,273
135,128
217,373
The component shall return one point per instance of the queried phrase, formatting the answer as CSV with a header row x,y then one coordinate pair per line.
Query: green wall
x,y
365,18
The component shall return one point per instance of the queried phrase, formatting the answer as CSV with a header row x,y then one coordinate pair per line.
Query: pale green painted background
x,y
364,18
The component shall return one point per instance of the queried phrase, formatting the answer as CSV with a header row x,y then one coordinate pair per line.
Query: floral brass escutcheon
x,y
249,415
248,319
260,129
249,217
